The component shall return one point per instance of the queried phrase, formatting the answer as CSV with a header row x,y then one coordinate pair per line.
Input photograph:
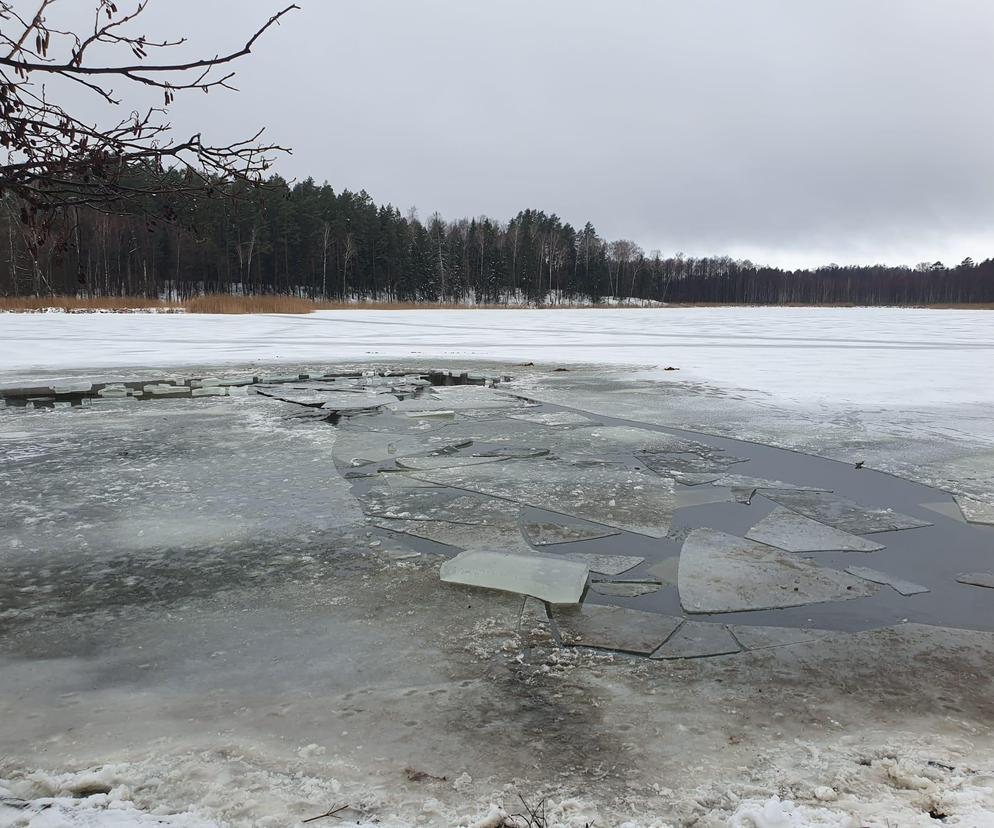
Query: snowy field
x,y
858,356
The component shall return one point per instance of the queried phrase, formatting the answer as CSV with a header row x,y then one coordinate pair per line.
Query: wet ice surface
x,y
147,543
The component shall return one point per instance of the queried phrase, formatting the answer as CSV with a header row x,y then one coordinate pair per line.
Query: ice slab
x,y
793,532
980,579
617,497
446,516
743,495
615,628
553,580
948,509
548,534
687,498
877,577
605,564
512,452
443,461
724,573
356,448
765,638
842,513
976,511
698,639
553,418
746,482
666,571
457,398
703,460
209,391
625,589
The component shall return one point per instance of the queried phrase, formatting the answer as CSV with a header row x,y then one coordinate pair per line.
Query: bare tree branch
x,y
56,159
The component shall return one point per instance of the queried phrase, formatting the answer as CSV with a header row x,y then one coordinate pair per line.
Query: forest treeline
x,y
308,240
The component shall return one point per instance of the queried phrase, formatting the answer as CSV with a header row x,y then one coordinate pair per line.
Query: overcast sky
x,y
793,132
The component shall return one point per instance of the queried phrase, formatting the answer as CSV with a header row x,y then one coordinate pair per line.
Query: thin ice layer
x,y
842,513
724,573
877,577
618,497
625,589
549,534
976,511
605,564
698,639
793,532
553,580
615,628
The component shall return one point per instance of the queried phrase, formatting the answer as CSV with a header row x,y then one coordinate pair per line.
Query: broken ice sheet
x,y
704,460
698,639
724,573
447,516
976,511
625,589
666,571
443,461
947,509
877,577
362,447
980,579
744,481
605,564
615,628
547,534
792,532
458,398
502,534
841,513
687,498
617,497
553,418
765,638
553,580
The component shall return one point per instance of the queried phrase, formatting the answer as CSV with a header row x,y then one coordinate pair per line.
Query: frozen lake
x,y
227,610
843,356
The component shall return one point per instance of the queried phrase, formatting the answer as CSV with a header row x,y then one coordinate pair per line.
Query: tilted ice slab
x,y
792,532
698,639
549,534
553,580
841,513
617,497
724,573
980,579
615,628
976,511
877,577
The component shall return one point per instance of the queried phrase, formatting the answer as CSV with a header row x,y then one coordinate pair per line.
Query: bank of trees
x,y
309,240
